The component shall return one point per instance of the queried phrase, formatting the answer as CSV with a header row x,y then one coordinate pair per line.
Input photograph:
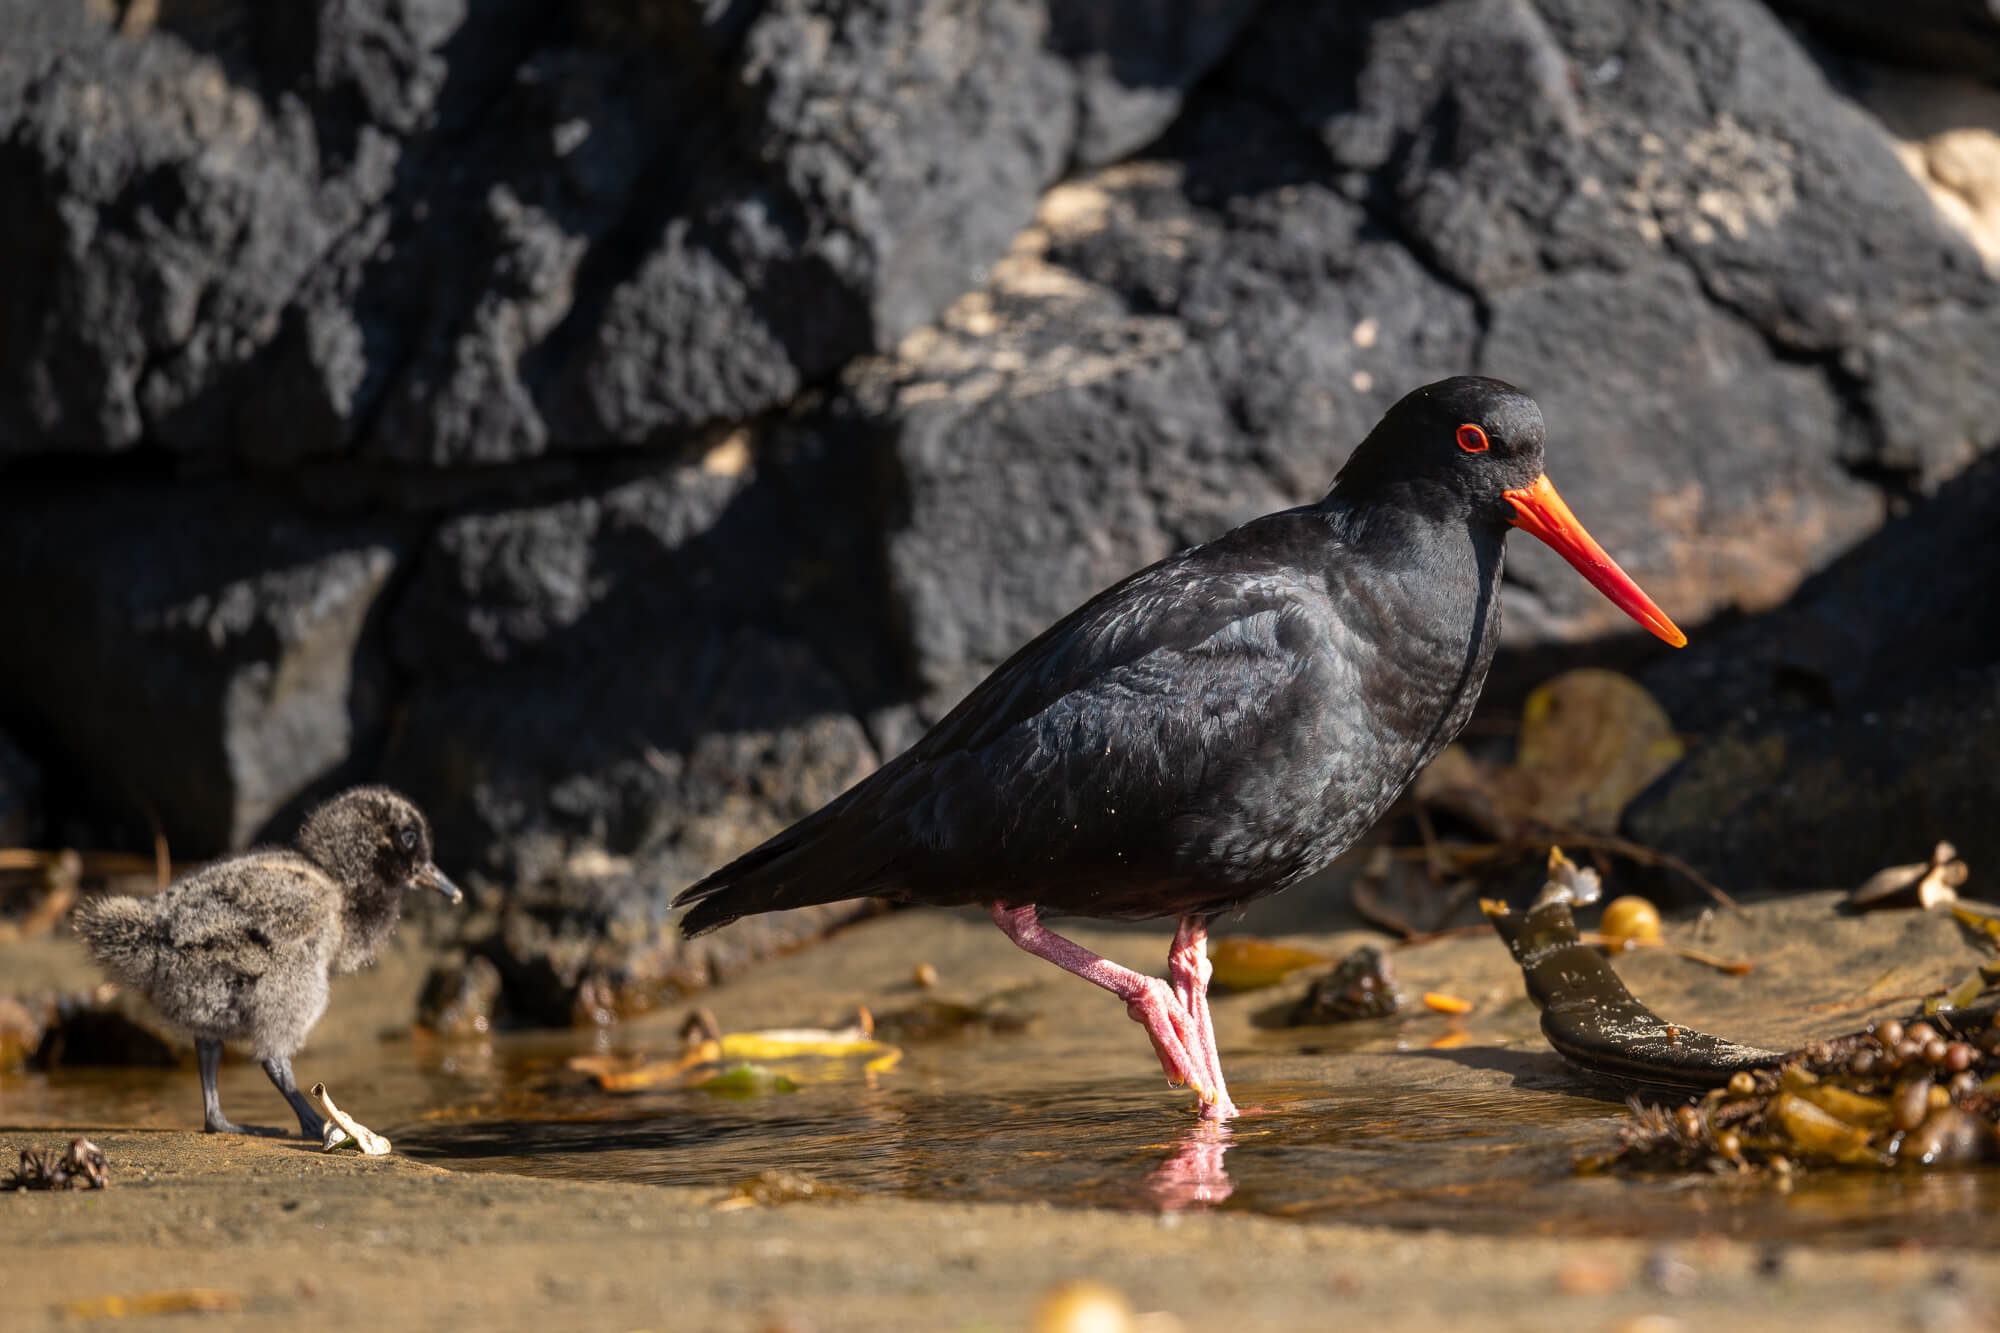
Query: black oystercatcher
x,y
1217,726
242,948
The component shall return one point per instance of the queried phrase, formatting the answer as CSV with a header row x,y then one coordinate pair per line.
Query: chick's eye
x,y
1472,439
409,840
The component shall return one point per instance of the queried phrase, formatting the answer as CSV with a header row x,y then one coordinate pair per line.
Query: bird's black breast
x,y
1217,727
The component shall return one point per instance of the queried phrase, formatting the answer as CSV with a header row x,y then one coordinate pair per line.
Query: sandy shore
x,y
318,1242
288,1236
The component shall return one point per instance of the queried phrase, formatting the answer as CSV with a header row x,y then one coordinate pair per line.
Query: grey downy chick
x,y
242,948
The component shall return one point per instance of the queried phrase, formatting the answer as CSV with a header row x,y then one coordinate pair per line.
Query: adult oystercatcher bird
x,y
242,947
1216,727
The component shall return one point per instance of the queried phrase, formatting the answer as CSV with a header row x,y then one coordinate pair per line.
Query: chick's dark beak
x,y
1539,510
429,876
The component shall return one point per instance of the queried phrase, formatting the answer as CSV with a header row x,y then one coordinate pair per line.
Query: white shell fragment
x,y
1923,884
344,1131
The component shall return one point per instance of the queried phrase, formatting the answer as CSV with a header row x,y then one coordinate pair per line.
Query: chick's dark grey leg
x,y
311,1123
208,1052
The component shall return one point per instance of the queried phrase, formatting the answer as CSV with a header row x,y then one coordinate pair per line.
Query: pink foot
x,y
1171,1030
1188,965
1149,1001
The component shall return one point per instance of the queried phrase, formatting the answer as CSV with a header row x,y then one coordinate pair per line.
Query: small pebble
x,y
1630,918
1957,1056
1083,1307
1741,1084
1911,1104
1920,1034
927,976
1668,1274
1947,1138
1890,1033
1935,1049
1588,1275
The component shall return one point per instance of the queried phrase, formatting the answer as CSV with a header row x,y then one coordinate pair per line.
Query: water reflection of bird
x,y
1217,726
242,948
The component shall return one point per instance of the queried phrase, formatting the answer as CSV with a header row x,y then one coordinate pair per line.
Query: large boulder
x,y
204,656
675,662
1177,345
626,424
1854,726
1960,36
445,232
20,796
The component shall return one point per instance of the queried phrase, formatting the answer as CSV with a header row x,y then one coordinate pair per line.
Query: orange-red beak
x,y
1539,510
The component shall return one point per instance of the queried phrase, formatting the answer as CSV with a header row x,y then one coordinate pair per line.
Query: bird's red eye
x,y
1472,439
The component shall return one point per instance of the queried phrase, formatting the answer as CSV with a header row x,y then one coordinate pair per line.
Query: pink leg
x,y
1188,966
1147,999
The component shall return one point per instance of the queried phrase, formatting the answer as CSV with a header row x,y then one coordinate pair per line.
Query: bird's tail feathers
x,y
122,934
801,867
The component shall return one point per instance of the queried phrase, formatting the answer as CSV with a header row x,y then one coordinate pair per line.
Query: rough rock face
x,y
20,796
1856,722
205,655
1962,36
625,424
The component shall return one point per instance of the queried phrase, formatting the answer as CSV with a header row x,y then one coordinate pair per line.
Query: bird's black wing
x,y
1086,752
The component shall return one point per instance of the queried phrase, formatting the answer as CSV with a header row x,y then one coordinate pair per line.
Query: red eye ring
x,y
1472,439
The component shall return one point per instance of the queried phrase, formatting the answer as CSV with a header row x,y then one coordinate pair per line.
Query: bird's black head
x,y
374,839
1462,441
1469,450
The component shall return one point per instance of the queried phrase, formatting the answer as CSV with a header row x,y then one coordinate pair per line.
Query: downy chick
x,y
242,948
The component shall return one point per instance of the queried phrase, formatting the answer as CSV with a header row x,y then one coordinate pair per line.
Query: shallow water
x,y
1007,1118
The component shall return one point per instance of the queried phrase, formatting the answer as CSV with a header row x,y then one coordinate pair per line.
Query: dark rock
x,y
674,665
20,796
459,998
203,654
443,233
1133,61
591,942
659,412
1363,985
1932,393
1902,610
96,1026
886,183
1177,346
1809,799
158,219
1710,468
697,757
1853,727
1506,139
1958,36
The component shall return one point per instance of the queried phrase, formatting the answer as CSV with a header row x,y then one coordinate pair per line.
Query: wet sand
x,y
403,1243
396,1244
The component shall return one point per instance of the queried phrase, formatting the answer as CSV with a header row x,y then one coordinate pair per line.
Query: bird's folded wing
x,y
1106,729
1213,641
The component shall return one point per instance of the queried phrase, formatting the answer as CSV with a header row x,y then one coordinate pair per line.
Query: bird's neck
x,y
370,904
1429,571
1428,533
369,912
